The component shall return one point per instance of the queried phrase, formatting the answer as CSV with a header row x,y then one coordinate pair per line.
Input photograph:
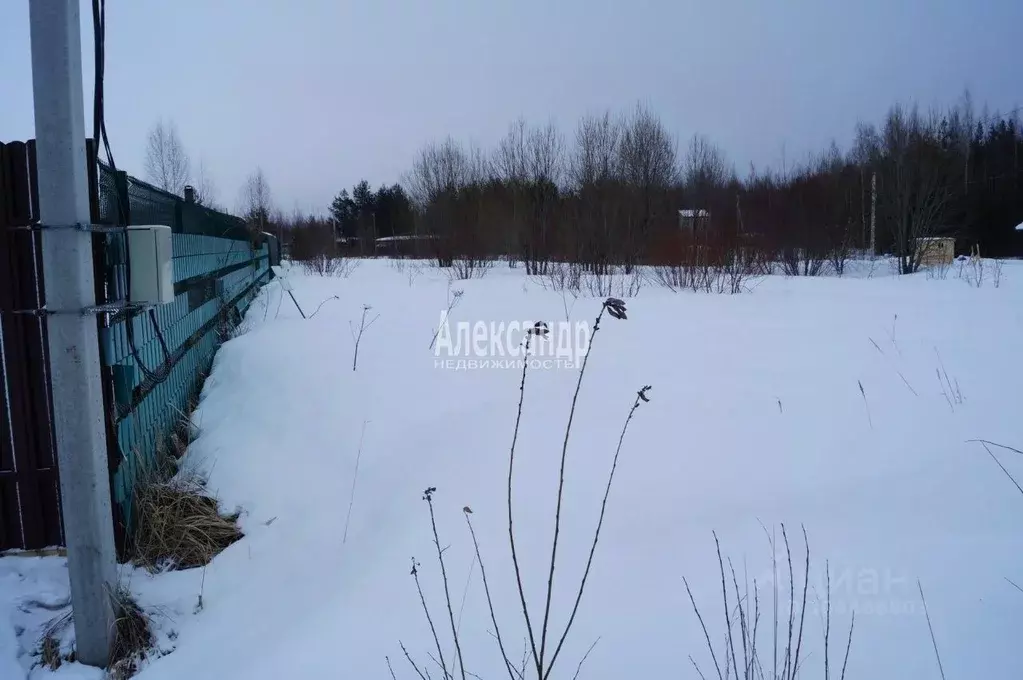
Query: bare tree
x,y
167,165
448,186
438,168
544,167
648,165
703,169
509,161
510,165
205,188
648,153
596,154
545,154
917,182
595,176
257,201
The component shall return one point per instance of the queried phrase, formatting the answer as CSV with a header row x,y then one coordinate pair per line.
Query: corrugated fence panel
x,y
193,328
157,370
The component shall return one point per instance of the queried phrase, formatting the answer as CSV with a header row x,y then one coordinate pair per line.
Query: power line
x,y
100,135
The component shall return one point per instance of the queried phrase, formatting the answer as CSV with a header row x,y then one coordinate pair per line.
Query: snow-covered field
x,y
813,402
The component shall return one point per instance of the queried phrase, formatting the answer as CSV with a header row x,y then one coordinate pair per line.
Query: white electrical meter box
x,y
152,269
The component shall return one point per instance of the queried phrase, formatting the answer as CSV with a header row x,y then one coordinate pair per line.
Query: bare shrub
x,y
324,265
412,272
735,271
741,655
619,280
702,264
939,270
803,261
671,276
841,248
562,276
314,246
410,268
971,269
465,268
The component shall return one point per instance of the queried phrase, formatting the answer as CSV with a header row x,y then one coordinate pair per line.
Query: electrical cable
x,y
151,376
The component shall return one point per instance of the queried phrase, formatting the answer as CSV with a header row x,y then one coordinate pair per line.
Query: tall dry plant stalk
x,y
543,645
742,618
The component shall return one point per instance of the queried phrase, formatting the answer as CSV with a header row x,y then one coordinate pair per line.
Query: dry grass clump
x,y
51,653
178,525
133,639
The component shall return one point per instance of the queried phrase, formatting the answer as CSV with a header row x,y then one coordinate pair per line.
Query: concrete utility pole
x,y
73,343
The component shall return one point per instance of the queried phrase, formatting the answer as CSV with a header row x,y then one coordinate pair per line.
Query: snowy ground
x,y
756,418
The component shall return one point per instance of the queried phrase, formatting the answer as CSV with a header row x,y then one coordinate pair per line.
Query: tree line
x,y
618,192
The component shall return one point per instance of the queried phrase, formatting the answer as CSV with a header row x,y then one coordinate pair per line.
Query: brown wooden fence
x,y
30,514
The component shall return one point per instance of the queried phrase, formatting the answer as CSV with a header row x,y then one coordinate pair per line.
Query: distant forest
x,y
610,194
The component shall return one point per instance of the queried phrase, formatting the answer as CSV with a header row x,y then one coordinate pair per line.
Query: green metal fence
x,y
150,383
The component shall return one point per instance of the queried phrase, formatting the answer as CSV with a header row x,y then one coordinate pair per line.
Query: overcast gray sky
x,y
321,93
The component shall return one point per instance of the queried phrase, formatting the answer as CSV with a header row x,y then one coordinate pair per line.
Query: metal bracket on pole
x,y
109,308
92,228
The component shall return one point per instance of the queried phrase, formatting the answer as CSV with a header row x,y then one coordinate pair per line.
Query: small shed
x,y
407,245
691,221
936,250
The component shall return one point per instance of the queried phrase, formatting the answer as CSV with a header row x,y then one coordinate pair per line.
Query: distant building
x,y
693,220
939,250
408,245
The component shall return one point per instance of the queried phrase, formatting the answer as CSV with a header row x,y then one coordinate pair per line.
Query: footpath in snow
x,y
843,406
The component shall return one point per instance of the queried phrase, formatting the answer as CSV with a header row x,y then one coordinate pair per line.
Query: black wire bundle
x,y
160,374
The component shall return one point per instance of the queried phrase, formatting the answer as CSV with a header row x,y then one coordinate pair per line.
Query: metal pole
x,y
73,343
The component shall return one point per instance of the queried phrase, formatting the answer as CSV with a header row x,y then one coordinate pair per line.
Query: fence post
x,y
73,342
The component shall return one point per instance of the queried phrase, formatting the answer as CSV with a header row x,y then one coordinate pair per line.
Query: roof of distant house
x,y
406,237
693,213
